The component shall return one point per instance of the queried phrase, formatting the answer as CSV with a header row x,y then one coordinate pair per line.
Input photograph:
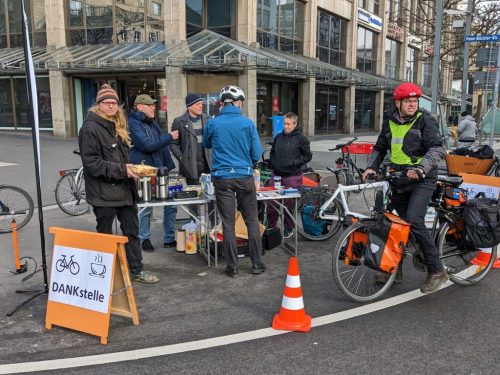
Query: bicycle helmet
x,y
407,90
230,94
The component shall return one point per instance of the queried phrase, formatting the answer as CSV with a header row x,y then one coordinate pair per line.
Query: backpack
x,y
483,152
312,225
386,241
482,221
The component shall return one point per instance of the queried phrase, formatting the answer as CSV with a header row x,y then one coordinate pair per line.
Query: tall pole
x,y
436,57
495,99
465,72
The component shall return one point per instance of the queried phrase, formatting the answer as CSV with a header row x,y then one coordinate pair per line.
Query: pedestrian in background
x,y
290,152
109,181
150,145
236,149
466,130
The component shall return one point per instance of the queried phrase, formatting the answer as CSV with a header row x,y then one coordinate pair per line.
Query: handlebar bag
x,y
386,241
310,223
482,221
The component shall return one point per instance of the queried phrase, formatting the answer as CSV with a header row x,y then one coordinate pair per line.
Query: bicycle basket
x,y
359,148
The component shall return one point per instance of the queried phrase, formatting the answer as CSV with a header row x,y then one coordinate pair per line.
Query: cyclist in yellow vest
x,y
412,137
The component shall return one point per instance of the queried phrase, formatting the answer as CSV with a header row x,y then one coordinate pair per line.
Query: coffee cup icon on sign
x,y
98,269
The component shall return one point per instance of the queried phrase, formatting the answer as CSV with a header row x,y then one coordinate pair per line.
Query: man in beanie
x,y
109,181
150,145
193,158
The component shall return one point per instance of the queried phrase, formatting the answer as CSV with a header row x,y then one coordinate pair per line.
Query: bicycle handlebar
x,y
341,146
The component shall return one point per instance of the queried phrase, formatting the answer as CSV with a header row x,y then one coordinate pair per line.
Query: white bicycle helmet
x,y
230,94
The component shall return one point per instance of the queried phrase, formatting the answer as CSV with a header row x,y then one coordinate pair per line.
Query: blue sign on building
x,y
482,38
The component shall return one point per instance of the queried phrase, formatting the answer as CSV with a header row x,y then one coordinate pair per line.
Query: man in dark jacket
x,y
291,151
194,159
150,145
412,136
104,148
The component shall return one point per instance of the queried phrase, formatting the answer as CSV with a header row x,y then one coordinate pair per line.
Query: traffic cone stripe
x,y
292,292
296,303
293,281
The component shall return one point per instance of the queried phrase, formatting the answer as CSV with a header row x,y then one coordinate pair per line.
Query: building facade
x,y
334,63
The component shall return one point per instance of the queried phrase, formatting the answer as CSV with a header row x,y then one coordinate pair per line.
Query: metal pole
x,y
495,99
436,57
465,73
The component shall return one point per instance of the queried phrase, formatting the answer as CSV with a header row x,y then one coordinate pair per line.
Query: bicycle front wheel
x,y
356,280
481,135
70,194
309,224
15,203
459,257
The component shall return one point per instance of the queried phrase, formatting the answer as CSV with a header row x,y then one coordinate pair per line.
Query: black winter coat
x,y
290,153
104,157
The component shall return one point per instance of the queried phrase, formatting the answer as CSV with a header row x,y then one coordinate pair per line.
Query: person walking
x,y
466,130
194,159
290,152
109,180
412,137
236,149
150,145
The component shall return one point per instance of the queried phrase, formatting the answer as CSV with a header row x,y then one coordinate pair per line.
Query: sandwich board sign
x,y
89,281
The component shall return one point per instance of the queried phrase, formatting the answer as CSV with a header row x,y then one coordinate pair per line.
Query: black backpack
x,y
483,152
482,221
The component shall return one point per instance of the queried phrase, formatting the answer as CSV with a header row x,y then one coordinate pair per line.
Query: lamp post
x,y
436,57
465,73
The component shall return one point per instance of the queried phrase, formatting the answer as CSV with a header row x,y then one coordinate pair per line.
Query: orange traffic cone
x,y
292,316
483,257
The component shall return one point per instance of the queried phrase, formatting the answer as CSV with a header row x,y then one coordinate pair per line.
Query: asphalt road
x,y
196,320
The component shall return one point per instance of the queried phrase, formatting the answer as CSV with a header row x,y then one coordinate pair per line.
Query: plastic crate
x,y
359,148
466,164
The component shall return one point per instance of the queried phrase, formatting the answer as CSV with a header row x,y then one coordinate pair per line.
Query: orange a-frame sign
x,y
477,183
89,281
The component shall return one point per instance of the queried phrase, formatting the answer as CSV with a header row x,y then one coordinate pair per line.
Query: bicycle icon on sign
x,y
63,264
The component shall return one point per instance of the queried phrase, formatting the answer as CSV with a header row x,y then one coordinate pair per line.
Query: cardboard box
x,y
241,228
465,164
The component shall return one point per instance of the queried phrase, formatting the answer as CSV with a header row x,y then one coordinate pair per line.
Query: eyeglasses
x,y
413,101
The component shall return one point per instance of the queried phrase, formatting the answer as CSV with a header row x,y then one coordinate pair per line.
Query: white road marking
x,y
158,351
2,164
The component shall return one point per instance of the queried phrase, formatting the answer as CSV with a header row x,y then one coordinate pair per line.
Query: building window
x,y
280,25
411,64
366,51
369,5
329,110
218,16
392,49
426,72
364,110
11,23
331,39
393,9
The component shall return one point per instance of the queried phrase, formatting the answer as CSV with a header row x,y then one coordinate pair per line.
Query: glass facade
x,y
392,49
411,64
426,72
114,21
369,5
11,23
280,25
366,51
331,39
329,110
364,110
216,15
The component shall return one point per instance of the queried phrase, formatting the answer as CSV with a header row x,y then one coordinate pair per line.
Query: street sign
x,y
482,38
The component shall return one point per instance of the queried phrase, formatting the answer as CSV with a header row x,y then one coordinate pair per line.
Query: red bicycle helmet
x,y
407,90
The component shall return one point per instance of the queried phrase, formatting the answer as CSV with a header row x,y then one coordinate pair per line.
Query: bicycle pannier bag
x,y
385,243
355,245
313,226
482,221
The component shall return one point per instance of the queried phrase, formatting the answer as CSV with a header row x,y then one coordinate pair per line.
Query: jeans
x,y
127,216
273,209
169,215
412,207
243,189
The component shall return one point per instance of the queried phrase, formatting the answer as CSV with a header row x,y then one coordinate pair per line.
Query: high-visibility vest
x,y
398,133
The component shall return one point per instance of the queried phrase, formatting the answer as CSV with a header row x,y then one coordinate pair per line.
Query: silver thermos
x,y
145,189
162,184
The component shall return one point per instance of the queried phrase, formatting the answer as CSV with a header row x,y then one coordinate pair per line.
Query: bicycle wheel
x,y
15,204
458,256
70,195
481,135
352,276
309,225
497,171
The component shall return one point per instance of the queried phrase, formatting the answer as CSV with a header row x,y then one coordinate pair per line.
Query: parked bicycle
x,y
360,283
15,203
70,191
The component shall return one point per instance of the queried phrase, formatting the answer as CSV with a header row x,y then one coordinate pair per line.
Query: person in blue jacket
x,y
151,146
236,148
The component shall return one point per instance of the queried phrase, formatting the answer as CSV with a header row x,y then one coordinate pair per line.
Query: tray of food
x,y
144,170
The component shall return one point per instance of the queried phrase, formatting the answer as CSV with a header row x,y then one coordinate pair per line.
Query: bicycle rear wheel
x,y
356,280
481,135
314,228
70,194
15,204
459,257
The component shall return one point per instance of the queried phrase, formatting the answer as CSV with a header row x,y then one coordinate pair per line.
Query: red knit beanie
x,y
106,92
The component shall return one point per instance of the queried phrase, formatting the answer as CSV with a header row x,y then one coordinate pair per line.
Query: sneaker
x,y
288,233
144,277
434,281
170,244
258,268
382,278
147,246
231,272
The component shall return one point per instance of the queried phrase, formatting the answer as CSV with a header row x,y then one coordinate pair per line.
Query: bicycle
x,y
358,281
347,172
15,203
70,191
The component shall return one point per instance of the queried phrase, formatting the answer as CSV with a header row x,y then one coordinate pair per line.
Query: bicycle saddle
x,y
455,181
